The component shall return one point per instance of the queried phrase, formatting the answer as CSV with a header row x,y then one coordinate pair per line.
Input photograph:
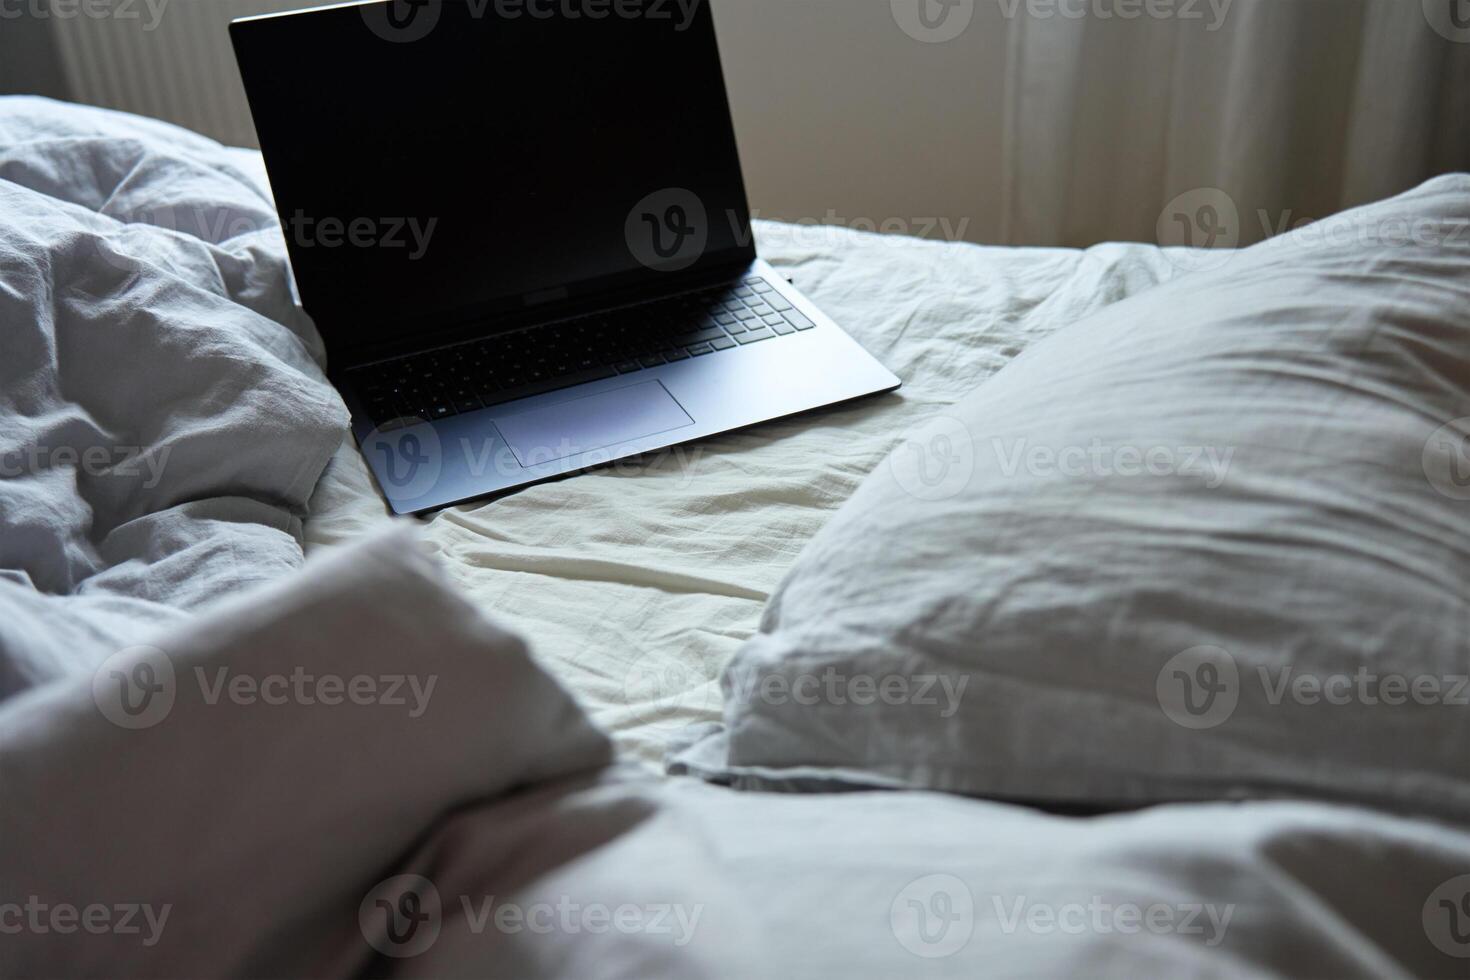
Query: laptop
x,y
521,229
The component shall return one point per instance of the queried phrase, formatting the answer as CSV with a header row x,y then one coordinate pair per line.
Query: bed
x,y
254,843
640,580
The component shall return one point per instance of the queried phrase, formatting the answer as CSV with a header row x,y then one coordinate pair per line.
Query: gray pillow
x,y
1212,542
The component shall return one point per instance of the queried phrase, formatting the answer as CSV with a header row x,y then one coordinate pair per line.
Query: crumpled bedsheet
x,y
638,581
163,415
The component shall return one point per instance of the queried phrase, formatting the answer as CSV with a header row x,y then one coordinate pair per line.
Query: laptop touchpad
x,y
580,425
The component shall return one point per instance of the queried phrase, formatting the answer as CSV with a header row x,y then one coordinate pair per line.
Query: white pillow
x,y
1211,542
181,824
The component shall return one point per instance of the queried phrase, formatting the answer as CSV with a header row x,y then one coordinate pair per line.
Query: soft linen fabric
x,y
640,580
1210,543
163,418
281,838
900,885
276,839
235,806
267,827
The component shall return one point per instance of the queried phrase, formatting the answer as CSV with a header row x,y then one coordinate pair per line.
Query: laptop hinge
x,y
462,326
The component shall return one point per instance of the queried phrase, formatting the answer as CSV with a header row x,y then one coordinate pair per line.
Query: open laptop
x,y
522,231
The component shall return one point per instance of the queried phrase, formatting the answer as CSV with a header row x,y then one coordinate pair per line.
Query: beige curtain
x,y
1283,110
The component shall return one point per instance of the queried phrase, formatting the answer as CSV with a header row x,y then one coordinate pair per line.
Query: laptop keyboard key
x,y
698,337
462,378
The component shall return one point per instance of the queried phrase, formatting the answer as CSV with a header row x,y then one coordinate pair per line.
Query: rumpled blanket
x,y
163,412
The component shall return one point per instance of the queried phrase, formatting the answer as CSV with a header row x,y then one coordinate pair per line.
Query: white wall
x,y
172,60
835,106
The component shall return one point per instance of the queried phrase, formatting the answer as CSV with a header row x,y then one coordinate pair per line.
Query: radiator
x,y
170,59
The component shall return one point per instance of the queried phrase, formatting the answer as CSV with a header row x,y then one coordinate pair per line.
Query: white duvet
x,y
163,418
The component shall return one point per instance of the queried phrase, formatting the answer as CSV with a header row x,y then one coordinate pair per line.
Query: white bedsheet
x,y
637,582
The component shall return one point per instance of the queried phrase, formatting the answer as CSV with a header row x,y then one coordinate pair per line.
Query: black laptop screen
x,y
433,161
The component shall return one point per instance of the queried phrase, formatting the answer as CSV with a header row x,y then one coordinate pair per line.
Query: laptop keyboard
x,y
481,373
